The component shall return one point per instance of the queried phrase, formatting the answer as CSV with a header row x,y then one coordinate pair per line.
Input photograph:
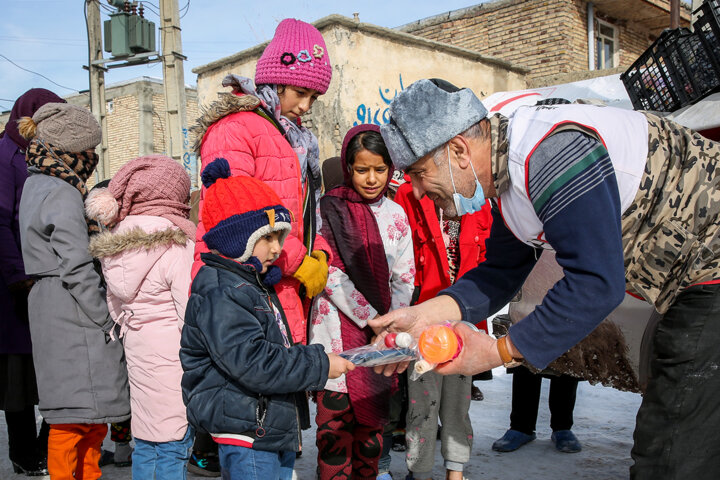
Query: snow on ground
x,y
604,422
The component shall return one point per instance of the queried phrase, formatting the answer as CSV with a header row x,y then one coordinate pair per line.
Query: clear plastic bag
x,y
371,355
437,344
396,347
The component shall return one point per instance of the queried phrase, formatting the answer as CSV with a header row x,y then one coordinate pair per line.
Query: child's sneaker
x,y
398,441
123,454
476,394
384,476
204,464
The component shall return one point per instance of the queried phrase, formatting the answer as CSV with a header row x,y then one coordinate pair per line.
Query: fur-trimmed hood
x,y
132,250
227,104
108,244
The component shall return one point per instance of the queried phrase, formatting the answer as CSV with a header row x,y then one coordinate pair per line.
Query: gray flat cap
x,y
424,116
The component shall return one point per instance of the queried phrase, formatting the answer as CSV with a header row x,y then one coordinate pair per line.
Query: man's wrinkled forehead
x,y
420,166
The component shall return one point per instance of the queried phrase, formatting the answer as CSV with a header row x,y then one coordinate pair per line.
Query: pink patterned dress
x,y
340,294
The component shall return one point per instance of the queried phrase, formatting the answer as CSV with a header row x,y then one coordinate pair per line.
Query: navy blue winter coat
x,y
239,377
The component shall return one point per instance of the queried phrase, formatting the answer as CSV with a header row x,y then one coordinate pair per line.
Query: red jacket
x,y
254,147
430,255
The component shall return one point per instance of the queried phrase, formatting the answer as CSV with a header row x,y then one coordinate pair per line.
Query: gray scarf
x,y
302,140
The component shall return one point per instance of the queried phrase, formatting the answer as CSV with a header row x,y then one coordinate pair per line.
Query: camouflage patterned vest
x,y
670,230
670,233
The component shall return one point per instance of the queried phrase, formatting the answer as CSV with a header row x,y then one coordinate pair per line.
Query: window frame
x,y
601,40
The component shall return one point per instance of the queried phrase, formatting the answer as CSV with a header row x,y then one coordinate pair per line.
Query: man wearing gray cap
x,y
627,200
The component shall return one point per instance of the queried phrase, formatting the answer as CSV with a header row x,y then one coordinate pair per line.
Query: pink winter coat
x,y
146,261
253,146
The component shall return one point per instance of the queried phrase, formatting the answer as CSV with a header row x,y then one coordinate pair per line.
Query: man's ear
x,y
460,150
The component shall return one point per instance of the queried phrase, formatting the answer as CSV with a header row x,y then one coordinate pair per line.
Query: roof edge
x,y
470,11
335,19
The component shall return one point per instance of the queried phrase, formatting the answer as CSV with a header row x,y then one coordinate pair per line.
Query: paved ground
x,y
604,422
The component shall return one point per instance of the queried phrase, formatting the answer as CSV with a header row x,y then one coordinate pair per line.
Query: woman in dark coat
x,y
18,388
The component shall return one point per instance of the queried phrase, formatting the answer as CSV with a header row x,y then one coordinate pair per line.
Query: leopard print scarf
x,y
73,168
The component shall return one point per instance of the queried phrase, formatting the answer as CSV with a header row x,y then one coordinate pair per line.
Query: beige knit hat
x,y
66,127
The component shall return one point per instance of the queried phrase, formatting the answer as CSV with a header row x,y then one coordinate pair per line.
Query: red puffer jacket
x,y
431,260
253,146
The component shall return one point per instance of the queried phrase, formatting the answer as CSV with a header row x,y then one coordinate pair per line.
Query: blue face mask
x,y
465,205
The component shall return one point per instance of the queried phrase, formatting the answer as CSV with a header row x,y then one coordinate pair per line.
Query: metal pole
x,y
177,142
674,13
97,84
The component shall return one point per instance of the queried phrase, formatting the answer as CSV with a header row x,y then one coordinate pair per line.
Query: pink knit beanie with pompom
x,y
296,56
148,185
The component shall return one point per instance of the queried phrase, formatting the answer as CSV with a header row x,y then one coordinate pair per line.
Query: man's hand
x,y
413,320
479,353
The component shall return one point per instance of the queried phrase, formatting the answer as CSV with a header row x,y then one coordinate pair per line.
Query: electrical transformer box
x,y
126,34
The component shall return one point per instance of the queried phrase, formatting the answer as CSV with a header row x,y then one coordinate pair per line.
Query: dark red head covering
x,y
25,106
347,175
351,231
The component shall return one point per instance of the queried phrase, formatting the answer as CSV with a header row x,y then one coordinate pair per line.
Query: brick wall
x,y
159,133
159,129
123,134
547,36
128,101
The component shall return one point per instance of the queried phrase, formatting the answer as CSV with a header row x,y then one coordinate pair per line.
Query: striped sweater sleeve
x,y
574,192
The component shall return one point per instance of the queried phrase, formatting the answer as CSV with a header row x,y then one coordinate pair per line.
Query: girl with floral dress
x,y
372,272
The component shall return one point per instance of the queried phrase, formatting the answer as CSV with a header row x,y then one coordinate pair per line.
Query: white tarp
x,y
608,90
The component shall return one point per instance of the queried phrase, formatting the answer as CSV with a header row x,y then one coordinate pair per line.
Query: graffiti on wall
x,y
188,159
378,112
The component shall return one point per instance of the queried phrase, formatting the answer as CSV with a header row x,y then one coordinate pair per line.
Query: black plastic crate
x,y
649,82
707,27
677,69
698,73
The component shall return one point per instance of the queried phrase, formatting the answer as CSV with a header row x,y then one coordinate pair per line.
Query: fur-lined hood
x,y
108,244
132,250
227,104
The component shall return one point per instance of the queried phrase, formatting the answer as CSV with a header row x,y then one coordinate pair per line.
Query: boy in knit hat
x,y
258,129
245,379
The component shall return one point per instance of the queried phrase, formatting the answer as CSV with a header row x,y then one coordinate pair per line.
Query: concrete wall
x,y
370,66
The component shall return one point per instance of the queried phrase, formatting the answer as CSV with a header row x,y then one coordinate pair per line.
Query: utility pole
x,y
674,13
97,82
177,143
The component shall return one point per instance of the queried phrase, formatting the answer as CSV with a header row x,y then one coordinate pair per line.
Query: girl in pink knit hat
x,y
146,258
258,130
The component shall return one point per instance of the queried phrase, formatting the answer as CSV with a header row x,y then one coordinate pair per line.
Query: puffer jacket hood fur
x,y
129,239
226,105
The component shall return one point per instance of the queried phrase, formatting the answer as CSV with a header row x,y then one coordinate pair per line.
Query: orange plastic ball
x,y
438,344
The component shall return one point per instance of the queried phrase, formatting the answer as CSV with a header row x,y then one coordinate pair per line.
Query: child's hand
x,y
338,365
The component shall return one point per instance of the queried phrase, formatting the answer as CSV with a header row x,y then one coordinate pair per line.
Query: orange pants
x,y
74,450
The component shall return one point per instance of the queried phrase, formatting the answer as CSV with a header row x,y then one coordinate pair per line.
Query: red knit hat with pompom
x,y
237,211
